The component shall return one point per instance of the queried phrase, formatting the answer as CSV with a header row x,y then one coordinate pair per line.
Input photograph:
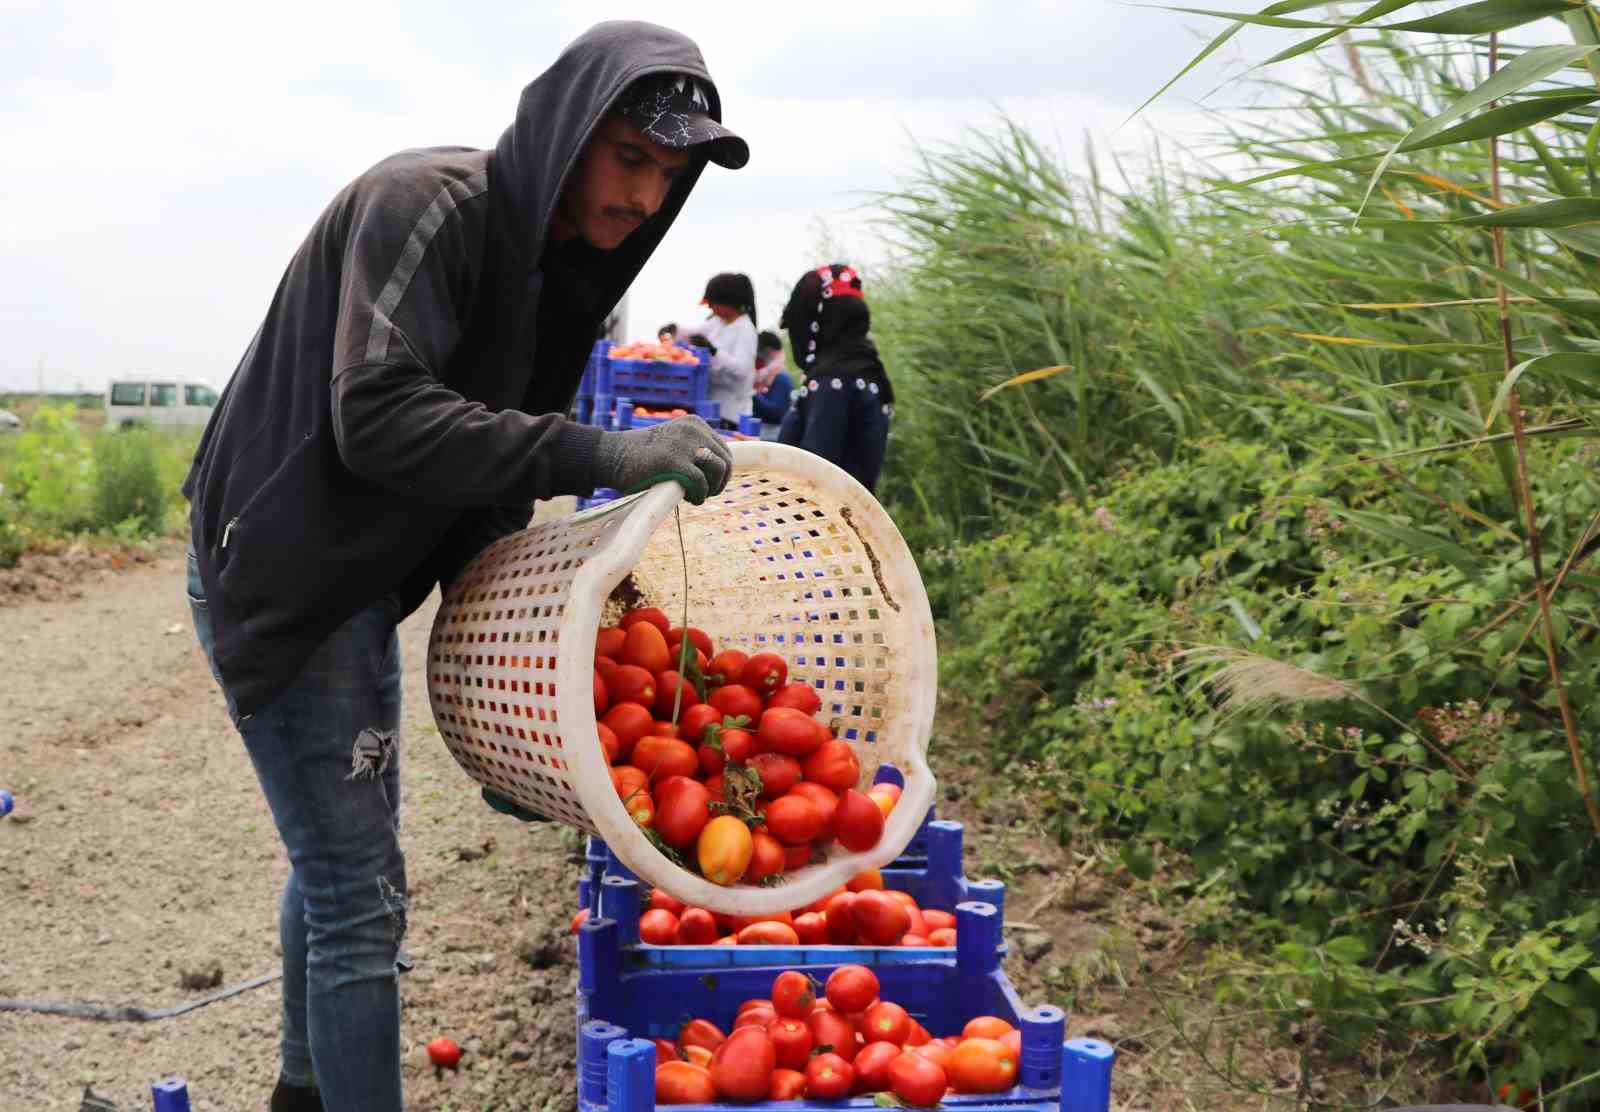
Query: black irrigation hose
x,y
129,1013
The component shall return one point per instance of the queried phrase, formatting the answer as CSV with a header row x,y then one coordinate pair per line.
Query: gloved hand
x,y
506,807
684,449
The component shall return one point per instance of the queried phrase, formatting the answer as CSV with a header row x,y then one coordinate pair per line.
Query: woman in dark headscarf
x,y
844,401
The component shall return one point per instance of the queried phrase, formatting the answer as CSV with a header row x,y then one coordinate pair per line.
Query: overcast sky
x,y
163,160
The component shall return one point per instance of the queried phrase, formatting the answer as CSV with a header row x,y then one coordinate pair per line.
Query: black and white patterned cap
x,y
673,110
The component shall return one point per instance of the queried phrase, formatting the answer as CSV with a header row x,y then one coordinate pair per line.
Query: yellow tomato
x,y
724,850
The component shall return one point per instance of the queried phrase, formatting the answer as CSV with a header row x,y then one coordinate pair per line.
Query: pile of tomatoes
x,y
793,1044
639,349
721,759
862,913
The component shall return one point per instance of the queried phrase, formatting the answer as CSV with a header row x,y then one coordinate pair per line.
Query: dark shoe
x,y
295,1098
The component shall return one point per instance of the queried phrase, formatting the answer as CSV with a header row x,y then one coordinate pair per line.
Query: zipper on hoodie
x,y
228,528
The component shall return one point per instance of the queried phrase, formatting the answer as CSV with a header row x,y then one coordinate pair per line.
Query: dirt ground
x,y
141,859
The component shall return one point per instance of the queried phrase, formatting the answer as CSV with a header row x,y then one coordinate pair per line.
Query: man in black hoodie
x,y
401,406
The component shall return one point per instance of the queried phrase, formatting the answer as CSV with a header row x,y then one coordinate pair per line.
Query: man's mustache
x,y
637,215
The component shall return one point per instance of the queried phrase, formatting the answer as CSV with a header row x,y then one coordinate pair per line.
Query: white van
x,y
158,403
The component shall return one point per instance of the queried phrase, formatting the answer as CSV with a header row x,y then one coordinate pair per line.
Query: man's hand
x,y
684,449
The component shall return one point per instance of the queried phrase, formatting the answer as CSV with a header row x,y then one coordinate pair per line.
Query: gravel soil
x,y
141,868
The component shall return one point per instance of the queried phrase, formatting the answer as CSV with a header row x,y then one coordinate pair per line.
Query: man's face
x,y
620,181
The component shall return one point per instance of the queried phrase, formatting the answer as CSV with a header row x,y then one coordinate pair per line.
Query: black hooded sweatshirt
x,y
402,404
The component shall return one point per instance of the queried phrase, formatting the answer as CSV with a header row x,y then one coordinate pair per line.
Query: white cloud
x,y
165,159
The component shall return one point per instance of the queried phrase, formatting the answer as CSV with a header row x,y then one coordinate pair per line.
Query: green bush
x,y
129,491
51,472
1413,798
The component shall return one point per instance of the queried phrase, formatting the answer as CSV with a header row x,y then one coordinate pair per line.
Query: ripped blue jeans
x,y
326,753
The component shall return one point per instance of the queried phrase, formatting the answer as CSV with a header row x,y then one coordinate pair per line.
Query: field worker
x,y
773,388
732,334
843,401
401,406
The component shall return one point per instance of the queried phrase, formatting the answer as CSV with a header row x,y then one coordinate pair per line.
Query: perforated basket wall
x,y
795,557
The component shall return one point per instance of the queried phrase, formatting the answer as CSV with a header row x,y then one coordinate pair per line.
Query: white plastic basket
x,y
794,557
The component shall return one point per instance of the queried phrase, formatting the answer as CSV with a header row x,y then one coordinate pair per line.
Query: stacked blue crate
x,y
617,999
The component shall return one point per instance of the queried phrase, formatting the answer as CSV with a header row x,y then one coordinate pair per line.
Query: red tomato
x,y
880,921
716,786
580,919
982,1066
602,698
886,1022
641,808
851,988
833,765
604,665
935,1052
827,804
768,934
1012,1041
829,1077
609,743
937,920
666,1051
910,938
701,1032
944,936
697,637
831,1030
793,994
723,850
696,927
662,757
865,881
792,1039
787,1085
692,723
872,1066
646,646
663,728
985,1027
766,858
736,700
793,819
797,857
778,773
658,927
800,696
765,672
882,800
731,744
699,1055
742,1066
630,722
683,807
659,897
887,786
917,927
649,614
627,780
628,683
919,1034
786,730
668,684
860,821
724,667
916,1080
812,929
609,641
841,920
680,1082
755,1017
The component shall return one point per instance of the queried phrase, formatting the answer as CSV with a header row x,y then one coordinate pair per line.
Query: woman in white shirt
x,y
732,332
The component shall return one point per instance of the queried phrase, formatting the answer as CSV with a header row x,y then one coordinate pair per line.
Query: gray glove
x,y
684,449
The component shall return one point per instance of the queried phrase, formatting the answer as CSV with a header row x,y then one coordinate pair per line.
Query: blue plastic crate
x,y
656,381
941,991
608,889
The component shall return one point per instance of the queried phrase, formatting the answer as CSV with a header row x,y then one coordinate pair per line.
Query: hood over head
x,y
557,113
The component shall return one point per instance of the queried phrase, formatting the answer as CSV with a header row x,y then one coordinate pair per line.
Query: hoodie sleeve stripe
x,y
422,233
